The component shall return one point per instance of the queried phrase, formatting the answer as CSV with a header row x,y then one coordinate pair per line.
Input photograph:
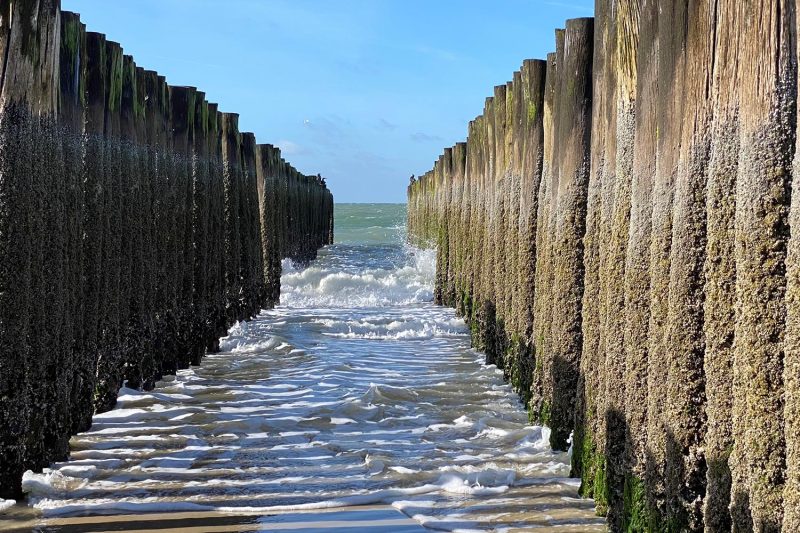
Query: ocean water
x,y
355,391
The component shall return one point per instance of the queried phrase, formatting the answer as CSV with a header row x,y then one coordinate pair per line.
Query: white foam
x,y
419,329
127,395
320,286
479,483
242,340
52,508
49,483
403,470
5,505
402,505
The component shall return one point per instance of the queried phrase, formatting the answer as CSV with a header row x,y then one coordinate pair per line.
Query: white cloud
x,y
290,148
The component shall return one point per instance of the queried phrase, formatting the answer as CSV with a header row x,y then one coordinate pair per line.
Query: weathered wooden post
x,y
182,101
791,364
133,336
685,468
185,166
543,304
767,112
573,134
532,148
598,457
201,213
231,152
218,320
671,37
720,269
268,211
146,252
28,97
109,375
252,267
637,260
440,175
72,120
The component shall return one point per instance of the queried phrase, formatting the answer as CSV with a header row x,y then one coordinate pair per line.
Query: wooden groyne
x,y
137,224
618,232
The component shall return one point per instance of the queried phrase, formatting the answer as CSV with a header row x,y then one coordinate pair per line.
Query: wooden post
x,y
109,373
28,96
72,117
768,98
543,308
720,270
569,200
182,109
231,153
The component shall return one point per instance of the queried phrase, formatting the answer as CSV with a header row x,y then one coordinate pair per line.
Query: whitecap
x,y
49,483
5,505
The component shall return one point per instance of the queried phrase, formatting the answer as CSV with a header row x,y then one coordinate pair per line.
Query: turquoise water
x,y
356,390
370,223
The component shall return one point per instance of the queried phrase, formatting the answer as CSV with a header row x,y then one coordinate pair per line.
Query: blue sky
x,y
365,92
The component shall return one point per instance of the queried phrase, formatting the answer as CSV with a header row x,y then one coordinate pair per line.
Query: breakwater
x,y
617,230
137,224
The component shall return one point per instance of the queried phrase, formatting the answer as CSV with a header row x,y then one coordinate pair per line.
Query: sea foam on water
x,y
355,390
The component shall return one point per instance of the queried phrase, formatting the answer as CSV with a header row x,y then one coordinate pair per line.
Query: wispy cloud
x,y
425,138
385,125
291,148
330,131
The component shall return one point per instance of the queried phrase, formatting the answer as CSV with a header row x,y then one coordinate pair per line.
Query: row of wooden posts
x,y
137,224
619,232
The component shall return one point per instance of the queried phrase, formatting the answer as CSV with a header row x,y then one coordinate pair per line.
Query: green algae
x,y
533,112
637,514
545,413
115,79
590,465
72,49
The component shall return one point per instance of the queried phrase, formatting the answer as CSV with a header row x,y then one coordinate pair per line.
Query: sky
x,y
364,92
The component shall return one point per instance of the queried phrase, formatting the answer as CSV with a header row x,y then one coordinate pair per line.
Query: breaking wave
x,y
336,283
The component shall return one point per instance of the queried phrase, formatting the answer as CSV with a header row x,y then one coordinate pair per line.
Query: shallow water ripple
x,y
319,405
